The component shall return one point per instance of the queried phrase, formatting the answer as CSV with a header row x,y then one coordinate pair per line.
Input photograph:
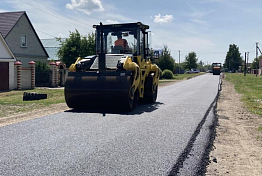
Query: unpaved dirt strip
x,y
238,144
20,117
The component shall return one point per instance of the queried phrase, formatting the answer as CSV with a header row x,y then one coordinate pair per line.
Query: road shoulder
x,y
238,143
20,117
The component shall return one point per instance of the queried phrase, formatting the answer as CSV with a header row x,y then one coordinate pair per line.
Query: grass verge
x,y
180,77
12,102
187,76
250,87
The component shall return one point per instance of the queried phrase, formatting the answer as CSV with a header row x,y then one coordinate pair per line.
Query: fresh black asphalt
x,y
148,141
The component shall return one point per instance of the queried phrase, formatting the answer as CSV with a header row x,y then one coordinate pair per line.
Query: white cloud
x,y
111,22
86,6
199,14
163,19
198,21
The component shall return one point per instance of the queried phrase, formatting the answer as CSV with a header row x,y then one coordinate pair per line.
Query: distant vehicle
x,y
209,71
196,71
192,71
216,67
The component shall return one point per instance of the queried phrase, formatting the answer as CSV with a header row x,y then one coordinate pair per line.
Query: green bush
x,y
161,73
41,67
167,74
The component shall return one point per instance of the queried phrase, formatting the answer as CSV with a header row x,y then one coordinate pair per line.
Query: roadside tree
x,y
166,61
151,55
76,46
233,58
201,66
255,63
191,61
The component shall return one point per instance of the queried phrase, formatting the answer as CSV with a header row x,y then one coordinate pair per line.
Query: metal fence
x,y
43,78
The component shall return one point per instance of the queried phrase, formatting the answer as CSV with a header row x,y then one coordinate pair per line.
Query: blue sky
x,y
206,27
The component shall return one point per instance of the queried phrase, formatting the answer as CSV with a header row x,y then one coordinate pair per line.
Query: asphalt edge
x,y
205,157
205,160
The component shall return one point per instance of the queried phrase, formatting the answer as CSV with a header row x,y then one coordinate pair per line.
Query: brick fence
x,y
24,77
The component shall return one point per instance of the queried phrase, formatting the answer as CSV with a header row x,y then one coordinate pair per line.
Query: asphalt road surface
x,y
148,141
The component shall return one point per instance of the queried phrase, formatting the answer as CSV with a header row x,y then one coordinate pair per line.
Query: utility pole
x,y
245,70
256,58
247,59
179,61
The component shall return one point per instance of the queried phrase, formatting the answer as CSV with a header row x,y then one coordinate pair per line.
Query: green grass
x,y
12,102
183,76
187,76
250,87
16,97
180,77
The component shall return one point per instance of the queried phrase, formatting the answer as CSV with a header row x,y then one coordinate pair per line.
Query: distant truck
x,y
216,68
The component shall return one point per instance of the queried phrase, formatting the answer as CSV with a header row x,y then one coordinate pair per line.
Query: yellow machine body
x,y
108,78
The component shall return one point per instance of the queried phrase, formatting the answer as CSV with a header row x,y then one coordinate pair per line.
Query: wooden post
x,y
19,68
32,66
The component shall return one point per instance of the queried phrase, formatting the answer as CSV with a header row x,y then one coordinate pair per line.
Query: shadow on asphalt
x,y
140,109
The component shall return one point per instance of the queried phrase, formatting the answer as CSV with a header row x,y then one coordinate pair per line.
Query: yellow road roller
x,y
119,74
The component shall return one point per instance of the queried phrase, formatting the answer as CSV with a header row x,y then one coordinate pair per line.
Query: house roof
x,y
53,42
8,21
52,52
52,46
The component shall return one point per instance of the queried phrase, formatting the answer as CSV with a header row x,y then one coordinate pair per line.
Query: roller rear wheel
x,y
132,101
151,98
150,95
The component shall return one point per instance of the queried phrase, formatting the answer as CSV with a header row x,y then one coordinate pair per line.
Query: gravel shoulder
x,y
20,117
238,143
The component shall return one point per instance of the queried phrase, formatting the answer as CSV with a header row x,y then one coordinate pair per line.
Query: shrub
x,y
161,73
41,67
167,74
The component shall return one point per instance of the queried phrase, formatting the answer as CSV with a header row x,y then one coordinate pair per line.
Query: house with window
x,y
21,37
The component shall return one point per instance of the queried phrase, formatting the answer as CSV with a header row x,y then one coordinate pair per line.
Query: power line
x,y
61,13
46,33
251,47
55,15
